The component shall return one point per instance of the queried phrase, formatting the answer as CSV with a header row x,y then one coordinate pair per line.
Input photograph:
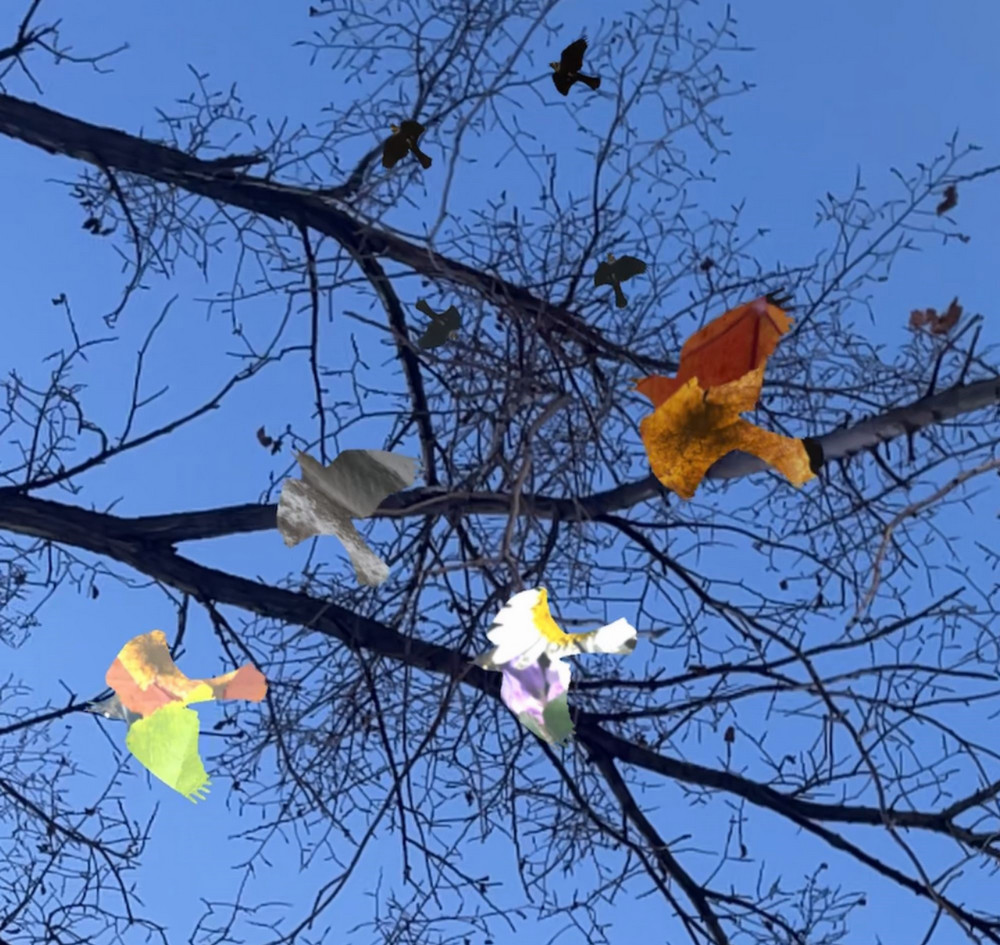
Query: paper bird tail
x,y
617,637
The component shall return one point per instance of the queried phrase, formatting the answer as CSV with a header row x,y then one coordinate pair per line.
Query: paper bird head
x,y
524,629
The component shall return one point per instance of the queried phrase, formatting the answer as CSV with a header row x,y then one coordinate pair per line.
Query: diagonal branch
x,y
101,146
98,533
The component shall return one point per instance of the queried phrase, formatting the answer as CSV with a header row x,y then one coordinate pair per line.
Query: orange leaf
x,y
724,350
145,677
687,433
937,324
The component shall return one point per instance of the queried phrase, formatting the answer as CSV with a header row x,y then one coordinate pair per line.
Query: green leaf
x,y
166,744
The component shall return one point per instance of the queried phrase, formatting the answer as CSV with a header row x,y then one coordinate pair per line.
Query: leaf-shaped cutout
x,y
724,350
145,678
324,501
687,433
536,694
166,744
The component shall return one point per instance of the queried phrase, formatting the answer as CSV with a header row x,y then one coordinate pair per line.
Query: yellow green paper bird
x,y
164,739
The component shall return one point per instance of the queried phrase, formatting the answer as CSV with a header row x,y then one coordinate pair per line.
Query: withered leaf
x,y
934,323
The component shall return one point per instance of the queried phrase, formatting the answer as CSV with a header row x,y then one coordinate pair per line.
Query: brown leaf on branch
x,y
934,323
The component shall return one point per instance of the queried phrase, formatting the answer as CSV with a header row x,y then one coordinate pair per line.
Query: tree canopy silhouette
x,y
534,475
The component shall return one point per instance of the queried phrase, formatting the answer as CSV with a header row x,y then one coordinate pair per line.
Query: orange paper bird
x,y
146,679
724,350
697,421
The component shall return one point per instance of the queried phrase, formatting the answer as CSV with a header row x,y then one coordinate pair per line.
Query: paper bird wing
x,y
571,59
359,480
421,306
166,744
536,694
394,150
627,266
604,274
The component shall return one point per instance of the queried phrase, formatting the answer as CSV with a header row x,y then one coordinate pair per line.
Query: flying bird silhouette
x,y
567,72
402,140
443,325
616,271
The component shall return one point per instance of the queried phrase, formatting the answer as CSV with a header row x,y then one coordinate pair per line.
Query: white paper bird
x,y
524,630
324,501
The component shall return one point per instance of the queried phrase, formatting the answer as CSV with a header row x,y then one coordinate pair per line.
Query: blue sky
x,y
839,88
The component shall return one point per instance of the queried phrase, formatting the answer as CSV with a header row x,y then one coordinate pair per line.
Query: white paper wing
x,y
617,637
304,512
360,480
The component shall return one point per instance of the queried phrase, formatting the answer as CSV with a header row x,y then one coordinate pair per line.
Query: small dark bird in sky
x,y
616,271
443,325
566,72
949,200
402,140
781,299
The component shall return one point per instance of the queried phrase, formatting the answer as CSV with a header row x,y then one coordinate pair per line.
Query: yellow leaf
x,y
693,428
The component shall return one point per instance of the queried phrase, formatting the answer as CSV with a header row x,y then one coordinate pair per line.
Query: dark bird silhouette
x,y
443,325
404,139
567,72
616,271
781,299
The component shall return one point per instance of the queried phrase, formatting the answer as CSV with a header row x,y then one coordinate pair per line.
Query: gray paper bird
x,y
616,271
443,325
404,139
324,501
566,73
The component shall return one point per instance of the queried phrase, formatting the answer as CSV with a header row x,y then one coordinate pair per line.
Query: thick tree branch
x,y
108,147
98,532
213,523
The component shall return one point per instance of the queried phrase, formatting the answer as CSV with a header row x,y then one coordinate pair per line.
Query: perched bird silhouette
x,y
443,325
616,271
402,140
566,72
